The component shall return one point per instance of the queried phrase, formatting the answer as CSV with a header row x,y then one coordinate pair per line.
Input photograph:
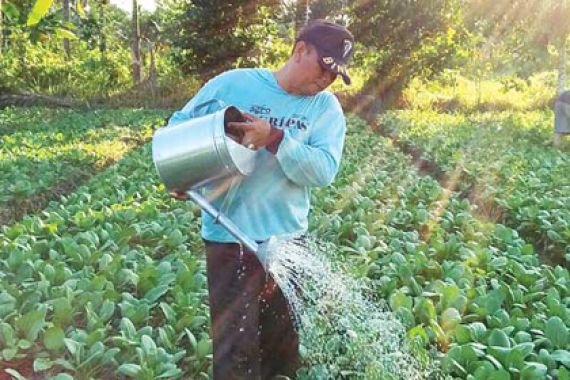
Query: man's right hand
x,y
180,195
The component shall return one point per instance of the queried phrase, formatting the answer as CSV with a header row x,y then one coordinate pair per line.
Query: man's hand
x,y
256,131
180,195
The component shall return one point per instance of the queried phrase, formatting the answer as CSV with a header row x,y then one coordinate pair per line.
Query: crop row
x,y
109,280
42,159
474,289
110,276
506,166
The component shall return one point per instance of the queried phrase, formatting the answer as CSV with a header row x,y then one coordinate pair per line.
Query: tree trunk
x,y
29,99
1,30
302,14
152,76
135,45
66,46
102,35
562,66
380,93
19,42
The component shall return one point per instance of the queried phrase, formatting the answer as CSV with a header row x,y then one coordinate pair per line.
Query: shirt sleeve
x,y
316,162
212,90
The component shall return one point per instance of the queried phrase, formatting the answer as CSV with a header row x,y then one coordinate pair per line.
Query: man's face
x,y
313,78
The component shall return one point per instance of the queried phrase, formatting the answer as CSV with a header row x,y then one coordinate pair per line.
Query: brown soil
x,y
23,366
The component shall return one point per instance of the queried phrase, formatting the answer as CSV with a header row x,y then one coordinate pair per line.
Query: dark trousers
x,y
252,331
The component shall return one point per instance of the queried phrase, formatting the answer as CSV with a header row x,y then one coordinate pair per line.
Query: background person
x,y
561,118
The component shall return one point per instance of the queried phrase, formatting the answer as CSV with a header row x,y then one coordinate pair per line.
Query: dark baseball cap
x,y
334,44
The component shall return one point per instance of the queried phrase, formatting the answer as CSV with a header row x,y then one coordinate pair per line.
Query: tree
x,y
403,39
152,40
556,19
334,10
302,14
562,76
102,8
524,31
214,35
39,20
101,22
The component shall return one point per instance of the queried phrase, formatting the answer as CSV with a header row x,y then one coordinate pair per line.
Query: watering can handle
x,y
220,103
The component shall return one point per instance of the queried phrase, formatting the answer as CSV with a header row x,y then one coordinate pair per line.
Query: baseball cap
x,y
334,44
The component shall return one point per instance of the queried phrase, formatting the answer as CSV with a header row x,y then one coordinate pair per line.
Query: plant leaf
x,y
129,369
41,7
53,338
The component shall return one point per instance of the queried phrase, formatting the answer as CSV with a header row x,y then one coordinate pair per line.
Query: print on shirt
x,y
295,121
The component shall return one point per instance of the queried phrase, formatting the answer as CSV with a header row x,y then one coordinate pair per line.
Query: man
x,y
561,118
298,129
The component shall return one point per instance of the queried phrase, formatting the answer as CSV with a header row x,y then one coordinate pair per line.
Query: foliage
x,y
48,156
397,42
474,289
34,18
103,26
517,37
452,91
110,278
46,70
107,280
504,160
407,38
212,36
99,64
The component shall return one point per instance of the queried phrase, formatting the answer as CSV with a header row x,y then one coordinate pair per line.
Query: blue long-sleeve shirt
x,y
274,199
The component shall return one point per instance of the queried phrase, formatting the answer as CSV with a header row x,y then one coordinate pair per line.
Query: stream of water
x,y
343,333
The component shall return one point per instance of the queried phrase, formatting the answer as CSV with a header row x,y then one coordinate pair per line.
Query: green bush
x,y
86,75
452,91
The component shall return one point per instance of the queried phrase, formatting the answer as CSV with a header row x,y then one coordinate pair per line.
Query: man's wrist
x,y
275,138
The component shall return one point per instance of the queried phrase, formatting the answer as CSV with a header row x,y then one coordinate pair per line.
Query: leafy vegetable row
x,y
474,289
41,159
506,164
110,281
107,279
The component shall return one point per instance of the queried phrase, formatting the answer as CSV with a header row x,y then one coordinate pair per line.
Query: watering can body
x,y
198,152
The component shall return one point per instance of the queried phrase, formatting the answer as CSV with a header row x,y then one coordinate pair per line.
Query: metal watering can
x,y
199,152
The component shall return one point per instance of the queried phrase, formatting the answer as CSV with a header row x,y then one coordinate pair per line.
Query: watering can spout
x,y
262,250
265,252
